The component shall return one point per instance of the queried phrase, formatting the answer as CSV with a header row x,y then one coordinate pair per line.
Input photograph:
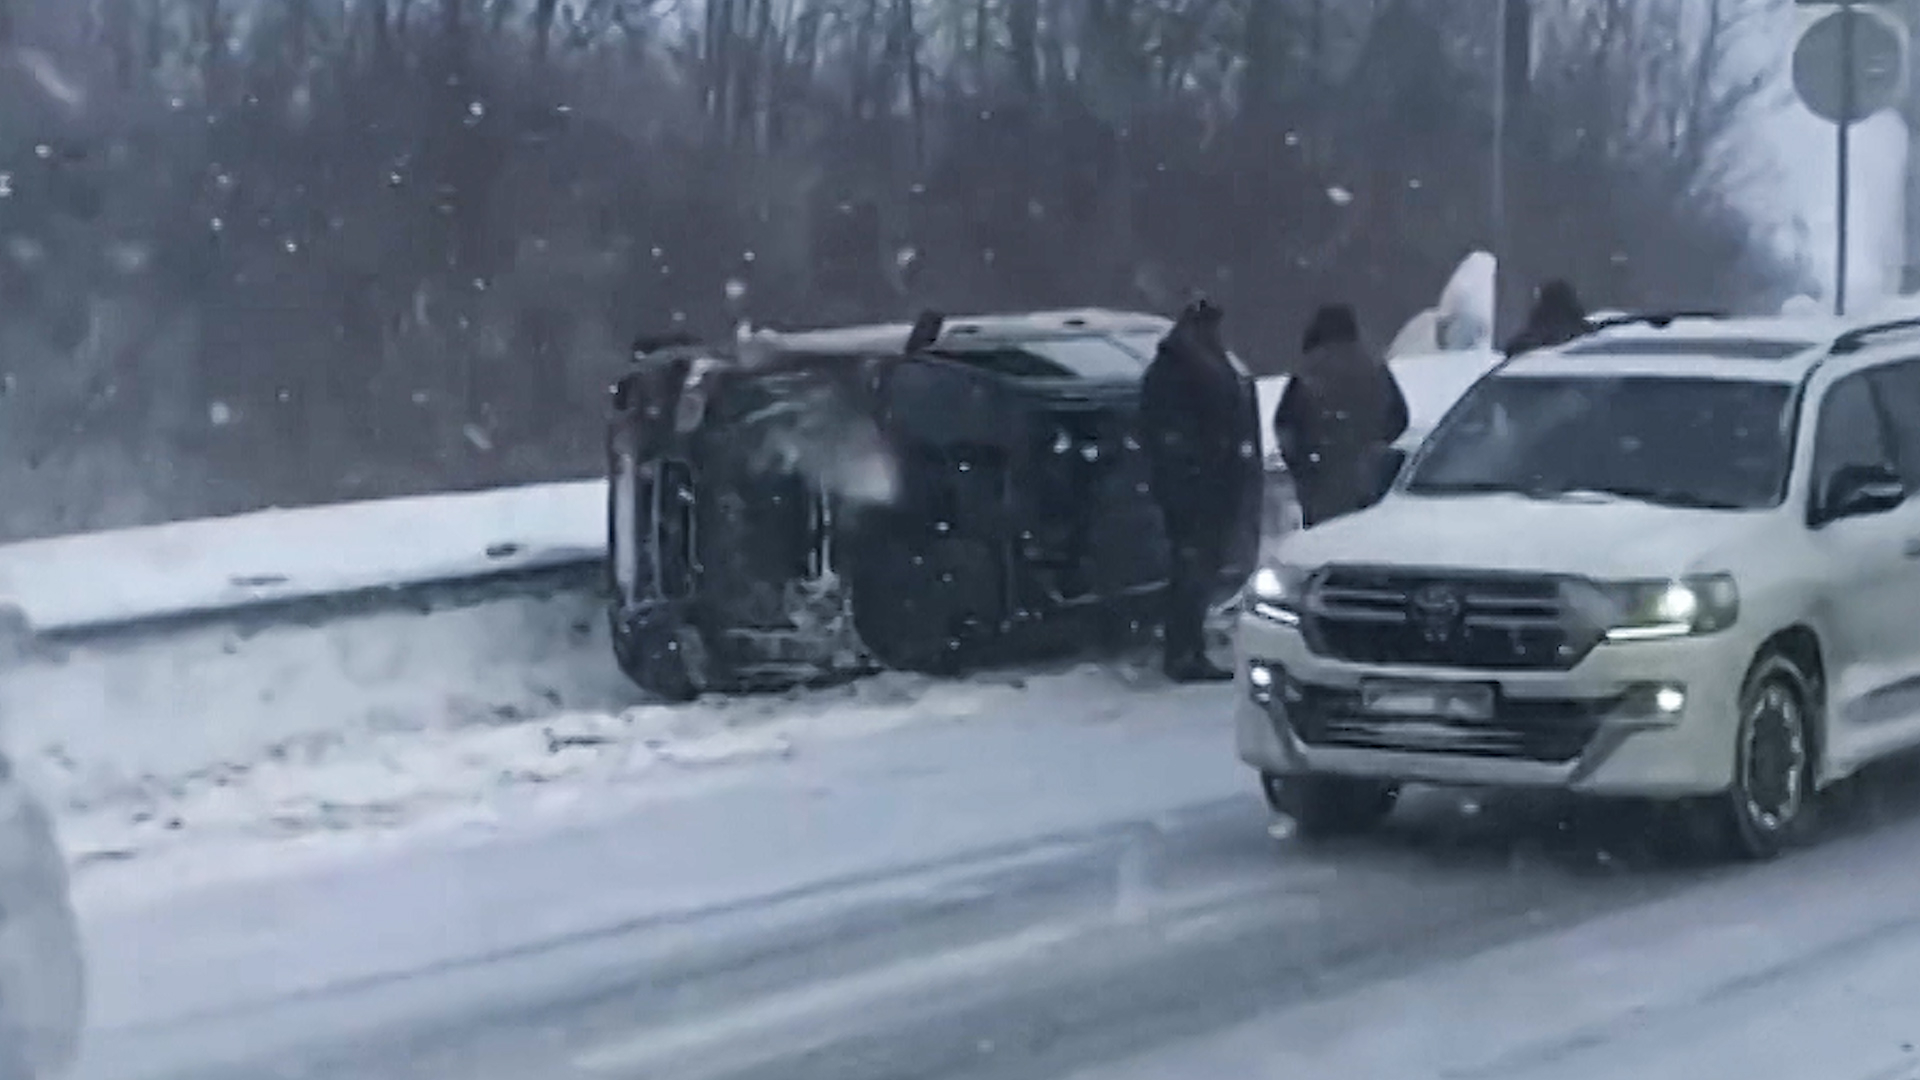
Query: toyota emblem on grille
x,y
1436,610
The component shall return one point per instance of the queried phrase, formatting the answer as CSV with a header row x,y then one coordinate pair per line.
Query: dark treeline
x,y
260,252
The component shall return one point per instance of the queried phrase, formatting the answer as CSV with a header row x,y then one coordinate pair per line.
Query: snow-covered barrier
x,y
161,656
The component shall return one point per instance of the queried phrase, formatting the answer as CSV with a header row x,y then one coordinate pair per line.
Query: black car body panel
x,y
804,507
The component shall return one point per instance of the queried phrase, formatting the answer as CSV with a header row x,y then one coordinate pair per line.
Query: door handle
x,y
1911,549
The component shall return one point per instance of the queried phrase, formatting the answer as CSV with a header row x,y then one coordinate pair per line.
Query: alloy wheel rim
x,y
1775,758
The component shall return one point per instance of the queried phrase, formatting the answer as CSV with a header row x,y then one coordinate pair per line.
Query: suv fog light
x,y
1670,700
1260,681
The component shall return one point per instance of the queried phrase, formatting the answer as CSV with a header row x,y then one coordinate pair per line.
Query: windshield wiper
x,y
1678,497
1536,491
1466,487
1543,493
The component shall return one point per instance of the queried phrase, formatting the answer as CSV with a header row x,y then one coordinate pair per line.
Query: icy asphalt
x,y
1032,897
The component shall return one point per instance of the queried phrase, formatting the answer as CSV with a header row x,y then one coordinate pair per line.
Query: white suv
x,y
1673,559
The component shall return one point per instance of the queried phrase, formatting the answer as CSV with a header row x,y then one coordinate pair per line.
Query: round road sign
x,y
1879,60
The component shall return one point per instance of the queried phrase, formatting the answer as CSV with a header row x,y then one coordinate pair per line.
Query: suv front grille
x,y
1491,621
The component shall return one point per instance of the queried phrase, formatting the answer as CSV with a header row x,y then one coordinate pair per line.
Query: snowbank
x,y
1072,756
130,726
335,797
1461,320
217,564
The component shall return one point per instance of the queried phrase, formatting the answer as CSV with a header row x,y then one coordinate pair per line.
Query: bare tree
x,y
381,246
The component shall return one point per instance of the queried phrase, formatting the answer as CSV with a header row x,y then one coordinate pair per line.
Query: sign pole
x,y
1842,170
1850,63
1502,273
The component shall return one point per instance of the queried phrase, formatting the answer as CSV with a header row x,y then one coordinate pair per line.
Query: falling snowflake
x,y
478,437
736,289
220,414
1340,196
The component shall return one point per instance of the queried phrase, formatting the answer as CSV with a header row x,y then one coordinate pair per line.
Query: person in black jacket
x,y
1557,318
1338,419
1191,418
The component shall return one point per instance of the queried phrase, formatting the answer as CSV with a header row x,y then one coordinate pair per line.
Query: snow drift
x,y
173,661
1462,319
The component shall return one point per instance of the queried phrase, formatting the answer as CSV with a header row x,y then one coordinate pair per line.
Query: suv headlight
x,y
1664,608
1276,591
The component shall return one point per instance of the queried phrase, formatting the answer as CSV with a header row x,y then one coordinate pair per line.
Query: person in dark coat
x,y
1338,419
1557,318
1192,419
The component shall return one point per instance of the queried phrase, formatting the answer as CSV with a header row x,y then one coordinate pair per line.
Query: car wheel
x,y
1771,800
1328,806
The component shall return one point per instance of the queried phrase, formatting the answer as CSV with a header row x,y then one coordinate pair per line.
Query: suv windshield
x,y
1716,443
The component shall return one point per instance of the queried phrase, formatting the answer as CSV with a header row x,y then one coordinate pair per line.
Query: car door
x,y
1897,389
1872,583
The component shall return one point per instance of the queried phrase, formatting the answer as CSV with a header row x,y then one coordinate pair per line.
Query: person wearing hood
x,y
1191,419
1557,318
1337,419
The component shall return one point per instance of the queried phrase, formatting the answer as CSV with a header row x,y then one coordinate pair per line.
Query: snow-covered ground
x,y
1806,967
148,746
338,797
620,832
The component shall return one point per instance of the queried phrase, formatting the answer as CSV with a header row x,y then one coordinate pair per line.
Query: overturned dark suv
x,y
799,507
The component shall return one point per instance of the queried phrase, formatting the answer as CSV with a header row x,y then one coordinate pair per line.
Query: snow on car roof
x,y
1677,363
1772,349
892,337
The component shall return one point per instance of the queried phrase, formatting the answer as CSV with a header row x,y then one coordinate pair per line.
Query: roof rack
x,y
1856,339
1659,320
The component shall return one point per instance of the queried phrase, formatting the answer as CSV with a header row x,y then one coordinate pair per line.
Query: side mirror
x,y
1859,490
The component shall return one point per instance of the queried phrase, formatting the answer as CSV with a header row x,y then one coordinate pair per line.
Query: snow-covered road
x,y
1088,889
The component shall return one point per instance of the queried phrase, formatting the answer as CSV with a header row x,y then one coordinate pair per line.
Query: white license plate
x,y
1447,701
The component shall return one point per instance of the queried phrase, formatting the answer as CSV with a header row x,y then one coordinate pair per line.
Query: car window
x,y
1850,432
1091,357
1085,357
1898,388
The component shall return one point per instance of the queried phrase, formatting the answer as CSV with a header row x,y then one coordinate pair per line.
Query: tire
x,y
1329,806
1771,803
